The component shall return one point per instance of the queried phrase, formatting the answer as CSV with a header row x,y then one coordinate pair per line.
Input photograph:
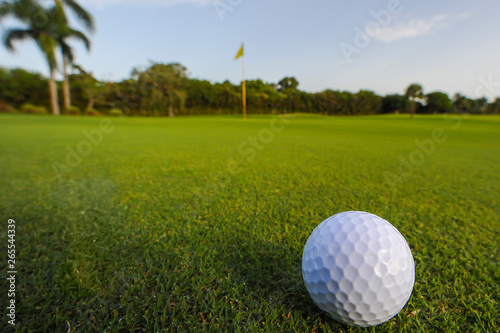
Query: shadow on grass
x,y
64,251
272,272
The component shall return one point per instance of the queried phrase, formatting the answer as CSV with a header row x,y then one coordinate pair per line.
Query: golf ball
x,y
358,268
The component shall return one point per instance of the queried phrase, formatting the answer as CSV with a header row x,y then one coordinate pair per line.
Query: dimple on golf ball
x,y
358,268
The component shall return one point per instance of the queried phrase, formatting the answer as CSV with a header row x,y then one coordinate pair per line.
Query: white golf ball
x,y
358,268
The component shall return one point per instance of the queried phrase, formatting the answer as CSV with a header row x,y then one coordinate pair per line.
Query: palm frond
x,y
67,51
79,69
13,35
72,33
84,16
23,10
58,16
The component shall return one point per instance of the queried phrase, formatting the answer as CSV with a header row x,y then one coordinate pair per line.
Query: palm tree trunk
x,y
53,94
66,92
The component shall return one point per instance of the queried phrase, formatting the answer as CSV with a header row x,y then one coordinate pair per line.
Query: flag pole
x,y
244,90
241,54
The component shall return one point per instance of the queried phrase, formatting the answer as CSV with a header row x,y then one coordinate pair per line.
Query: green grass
x,y
150,233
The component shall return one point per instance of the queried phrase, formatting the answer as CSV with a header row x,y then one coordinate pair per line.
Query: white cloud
x,y
411,29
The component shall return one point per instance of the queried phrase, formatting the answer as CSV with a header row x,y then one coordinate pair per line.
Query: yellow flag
x,y
240,53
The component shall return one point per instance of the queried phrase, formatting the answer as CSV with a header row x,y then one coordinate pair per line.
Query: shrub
x,y
92,112
116,113
6,108
33,109
72,111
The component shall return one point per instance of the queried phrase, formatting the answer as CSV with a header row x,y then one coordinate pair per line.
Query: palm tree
x,y
67,53
40,28
413,92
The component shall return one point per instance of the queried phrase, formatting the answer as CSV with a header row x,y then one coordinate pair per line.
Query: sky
x,y
383,46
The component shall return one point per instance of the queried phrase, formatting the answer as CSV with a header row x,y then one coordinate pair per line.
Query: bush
x,y
33,109
116,113
72,111
6,108
92,112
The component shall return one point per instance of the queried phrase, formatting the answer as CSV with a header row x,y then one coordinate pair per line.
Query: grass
x,y
151,232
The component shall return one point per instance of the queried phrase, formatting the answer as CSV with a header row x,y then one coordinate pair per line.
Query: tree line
x,y
166,90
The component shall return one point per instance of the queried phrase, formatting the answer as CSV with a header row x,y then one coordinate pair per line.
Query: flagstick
x,y
243,86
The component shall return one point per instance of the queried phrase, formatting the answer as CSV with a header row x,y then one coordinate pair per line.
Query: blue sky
x,y
451,46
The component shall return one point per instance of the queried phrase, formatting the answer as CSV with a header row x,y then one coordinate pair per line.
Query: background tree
x,y
66,51
438,102
461,104
163,87
395,104
287,83
18,86
68,58
367,102
494,107
346,103
479,106
324,102
226,96
200,96
86,86
125,95
41,27
414,92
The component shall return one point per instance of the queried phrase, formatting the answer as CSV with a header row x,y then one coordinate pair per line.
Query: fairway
x,y
199,223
